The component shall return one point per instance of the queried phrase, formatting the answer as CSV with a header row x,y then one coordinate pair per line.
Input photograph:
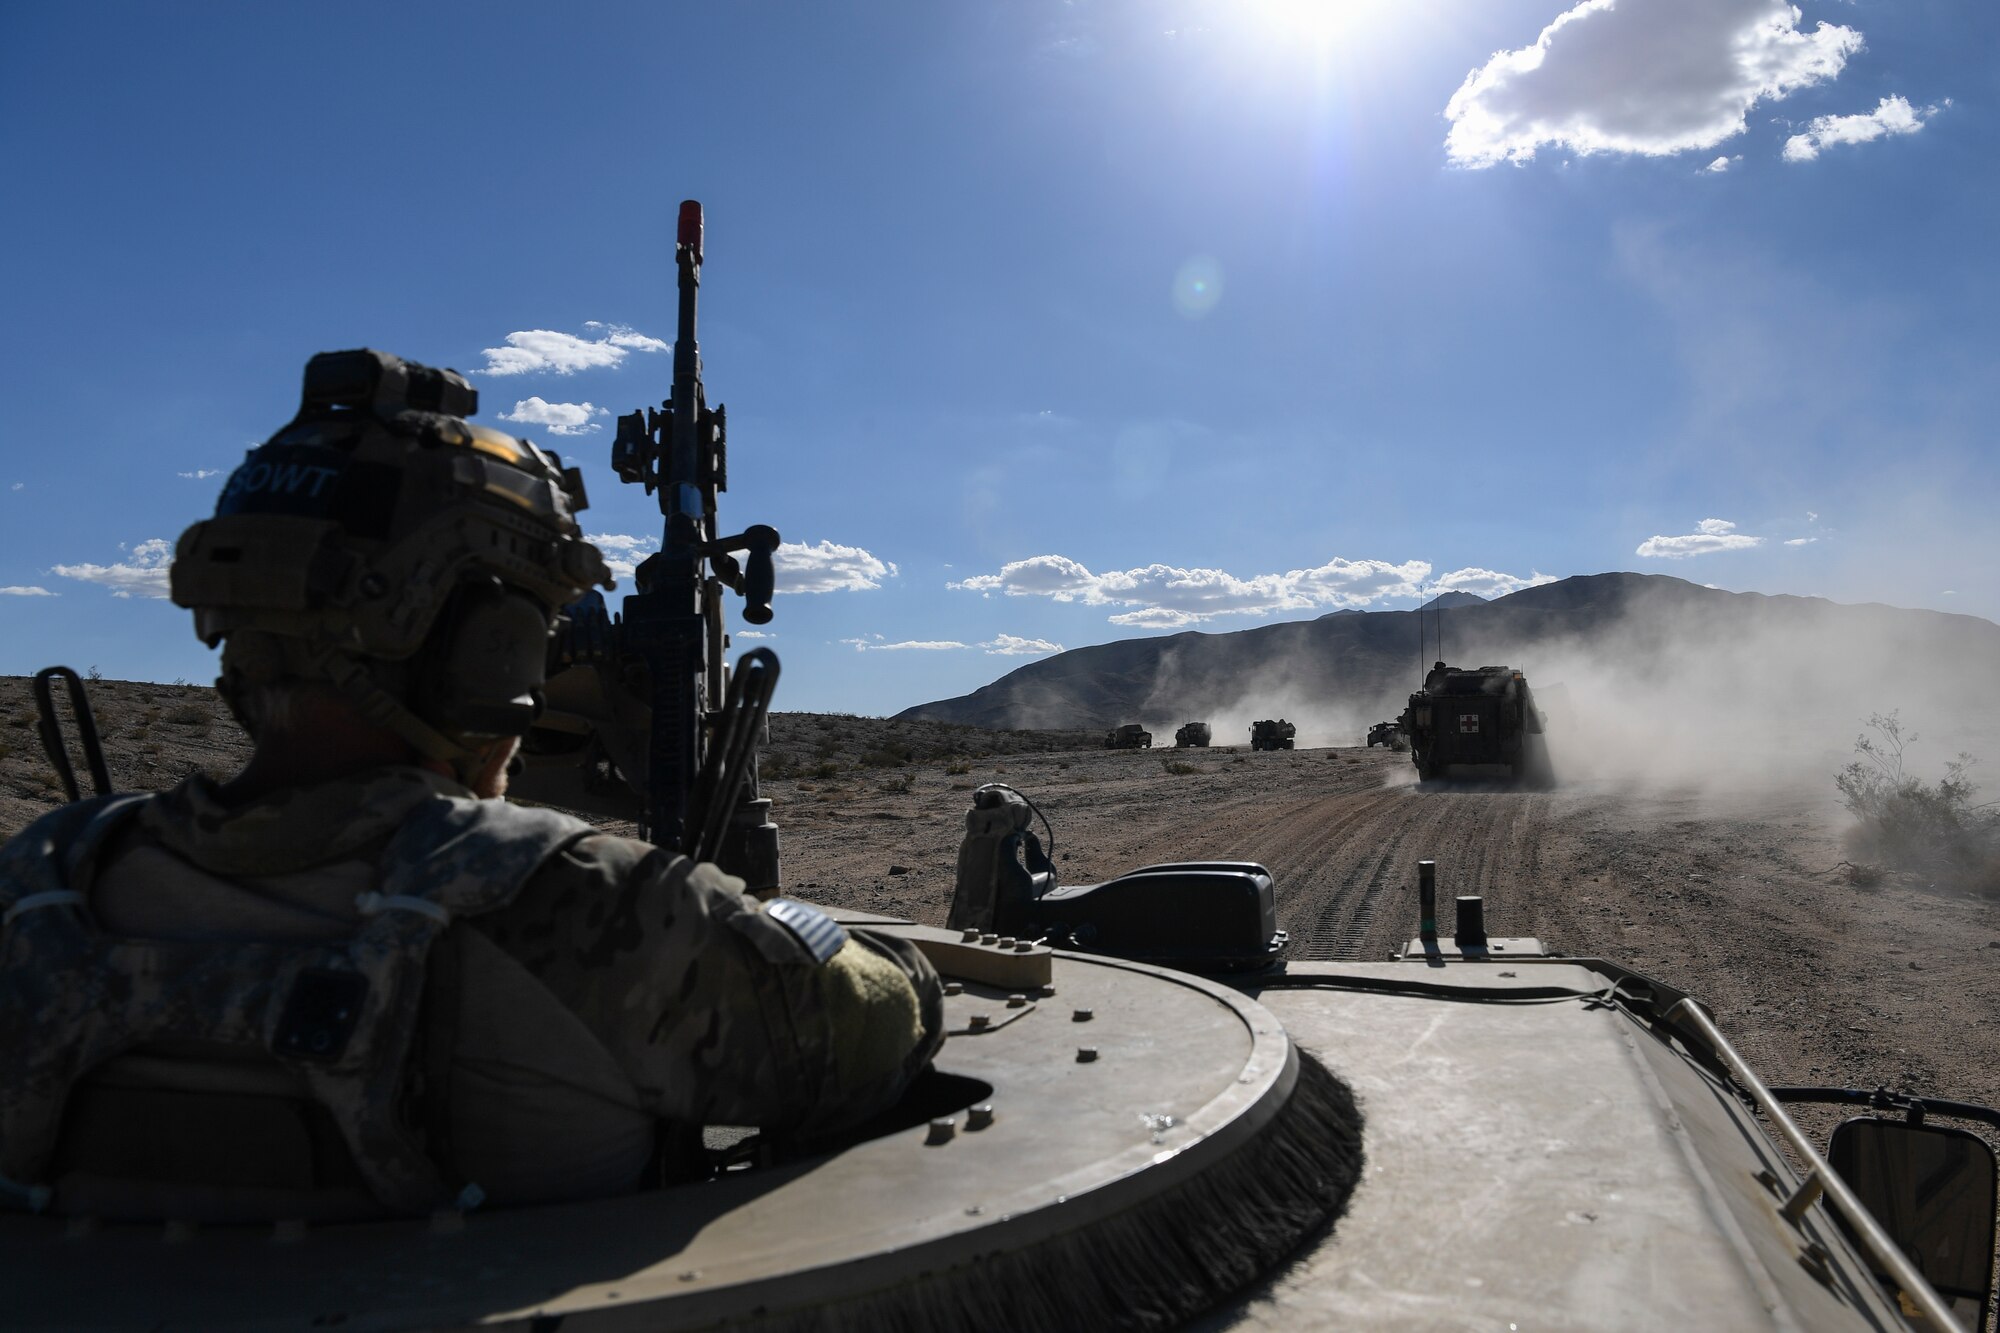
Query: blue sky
x,y
1039,323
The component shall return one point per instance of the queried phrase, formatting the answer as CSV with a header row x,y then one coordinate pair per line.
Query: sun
x,y
1320,23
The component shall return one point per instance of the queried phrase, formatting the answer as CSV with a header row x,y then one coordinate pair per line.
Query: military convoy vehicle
x,y
1479,723
1191,733
1389,734
1131,736
1272,734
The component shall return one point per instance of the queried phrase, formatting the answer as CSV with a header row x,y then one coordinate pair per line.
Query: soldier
x,y
350,980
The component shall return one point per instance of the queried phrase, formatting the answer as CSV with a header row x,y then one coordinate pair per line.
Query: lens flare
x,y
1197,286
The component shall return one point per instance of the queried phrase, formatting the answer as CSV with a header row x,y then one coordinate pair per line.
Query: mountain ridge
x,y
1635,626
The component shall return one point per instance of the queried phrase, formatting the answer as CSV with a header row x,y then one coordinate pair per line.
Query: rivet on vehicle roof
x,y
1082,1016
980,1020
1016,1001
1049,988
980,1116
954,988
942,1129
989,938
1024,946
969,934
1006,941
1085,1054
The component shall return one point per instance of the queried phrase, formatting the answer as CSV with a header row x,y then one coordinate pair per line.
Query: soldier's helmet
x,y
383,544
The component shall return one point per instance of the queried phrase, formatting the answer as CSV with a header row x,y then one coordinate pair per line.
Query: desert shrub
x,y
778,764
892,755
21,720
93,674
902,784
826,768
1907,823
191,715
1177,767
957,766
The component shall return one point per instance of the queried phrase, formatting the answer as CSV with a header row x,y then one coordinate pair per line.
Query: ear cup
x,y
480,672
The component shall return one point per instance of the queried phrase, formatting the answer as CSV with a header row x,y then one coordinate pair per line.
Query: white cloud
x,y
823,567
1489,582
1169,597
1893,115
143,572
1711,535
19,590
1649,78
829,567
622,554
874,644
18,485
1013,645
536,350
1800,541
750,634
622,336
560,418
1811,517
201,473
1722,164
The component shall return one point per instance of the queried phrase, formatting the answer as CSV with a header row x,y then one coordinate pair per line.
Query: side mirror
x,y
1932,1189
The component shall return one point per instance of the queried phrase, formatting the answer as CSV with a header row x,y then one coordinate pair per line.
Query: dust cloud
x,y
1772,696
1274,689
1682,689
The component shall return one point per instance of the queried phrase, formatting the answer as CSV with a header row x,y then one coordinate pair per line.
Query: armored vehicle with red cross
x,y
1477,723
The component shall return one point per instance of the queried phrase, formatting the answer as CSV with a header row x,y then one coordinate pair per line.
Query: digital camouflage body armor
x,y
341,1016
460,997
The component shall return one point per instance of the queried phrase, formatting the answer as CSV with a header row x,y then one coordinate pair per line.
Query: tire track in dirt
x,y
1339,860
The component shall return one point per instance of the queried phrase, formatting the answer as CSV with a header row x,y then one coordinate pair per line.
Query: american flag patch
x,y
820,933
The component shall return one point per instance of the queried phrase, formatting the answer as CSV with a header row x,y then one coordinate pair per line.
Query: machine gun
x,y
643,720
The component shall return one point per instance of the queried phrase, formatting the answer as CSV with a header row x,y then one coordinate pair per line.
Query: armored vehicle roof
x,y
1541,1150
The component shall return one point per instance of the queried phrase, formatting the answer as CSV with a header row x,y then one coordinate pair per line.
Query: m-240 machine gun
x,y
644,720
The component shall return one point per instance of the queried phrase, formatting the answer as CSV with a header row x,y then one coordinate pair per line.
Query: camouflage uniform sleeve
x,y
718,1012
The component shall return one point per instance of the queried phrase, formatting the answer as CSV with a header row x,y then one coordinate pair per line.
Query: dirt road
x,y
1735,895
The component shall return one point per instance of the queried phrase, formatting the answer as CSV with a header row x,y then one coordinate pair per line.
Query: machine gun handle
x,y
759,578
